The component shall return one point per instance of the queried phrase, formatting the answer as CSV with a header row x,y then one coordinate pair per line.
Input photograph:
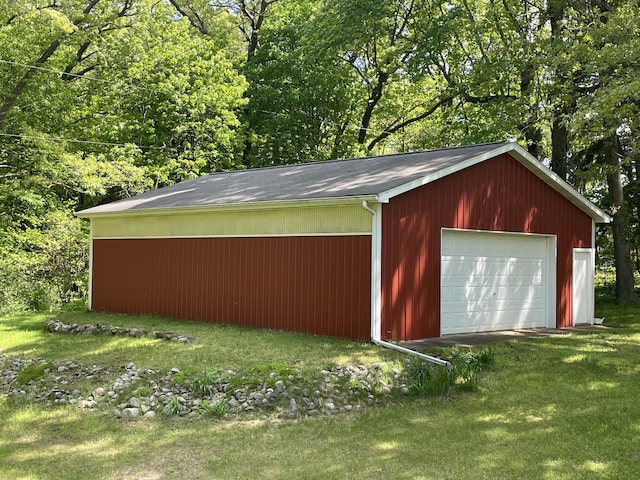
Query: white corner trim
x,y
90,281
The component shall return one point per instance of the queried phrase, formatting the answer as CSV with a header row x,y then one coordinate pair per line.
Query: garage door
x,y
493,281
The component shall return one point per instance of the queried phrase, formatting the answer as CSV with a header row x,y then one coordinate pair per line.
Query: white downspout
x,y
90,282
375,293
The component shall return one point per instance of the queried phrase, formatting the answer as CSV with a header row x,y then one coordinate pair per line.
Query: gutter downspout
x,y
375,330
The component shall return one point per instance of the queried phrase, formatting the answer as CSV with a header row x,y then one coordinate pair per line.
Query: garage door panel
x,y
492,281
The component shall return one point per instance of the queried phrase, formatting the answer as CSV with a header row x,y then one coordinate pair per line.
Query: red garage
x,y
395,247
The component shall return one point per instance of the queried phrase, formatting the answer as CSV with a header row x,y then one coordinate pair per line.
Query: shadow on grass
x,y
64,443
557,407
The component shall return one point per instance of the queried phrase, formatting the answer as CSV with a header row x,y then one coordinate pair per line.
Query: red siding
x,y
318,285
498,195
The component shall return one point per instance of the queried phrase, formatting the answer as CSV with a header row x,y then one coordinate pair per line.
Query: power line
x,y
59,72
71,140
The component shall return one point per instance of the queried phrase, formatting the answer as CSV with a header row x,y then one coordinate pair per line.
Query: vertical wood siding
x,y
318,285
497,195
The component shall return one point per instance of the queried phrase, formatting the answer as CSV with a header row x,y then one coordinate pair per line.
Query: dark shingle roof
x,y
356,177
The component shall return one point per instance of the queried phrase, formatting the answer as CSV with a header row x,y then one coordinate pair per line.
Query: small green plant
x,y
171,406
204,383
427,378
467,364
32,372
143,391
216,408
357,387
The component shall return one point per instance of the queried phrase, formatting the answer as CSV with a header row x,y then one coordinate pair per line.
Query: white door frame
x,y
587,289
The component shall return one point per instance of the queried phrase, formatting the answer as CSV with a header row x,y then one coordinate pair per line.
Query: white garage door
x,y
493,281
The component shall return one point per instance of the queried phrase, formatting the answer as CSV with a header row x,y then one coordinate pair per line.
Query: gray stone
x,y
134,402
150,414
136,332
130,412
293,406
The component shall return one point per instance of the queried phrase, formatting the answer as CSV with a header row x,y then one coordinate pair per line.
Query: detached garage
x,y
394,247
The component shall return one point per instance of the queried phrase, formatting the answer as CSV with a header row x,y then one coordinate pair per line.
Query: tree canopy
x,y
101,100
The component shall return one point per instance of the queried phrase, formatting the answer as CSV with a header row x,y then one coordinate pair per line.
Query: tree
x,y
606,125
100,100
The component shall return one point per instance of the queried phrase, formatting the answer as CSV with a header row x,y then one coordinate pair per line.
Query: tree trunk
x,y
625,291
529,127
374,98
559,146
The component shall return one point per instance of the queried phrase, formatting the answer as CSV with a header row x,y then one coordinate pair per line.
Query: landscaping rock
x,y
54,325
131,412
292,396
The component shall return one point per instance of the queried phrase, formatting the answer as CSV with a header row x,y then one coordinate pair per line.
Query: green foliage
x,y
215,408
466,365
171,406
33,371
423,378
44,265
204,383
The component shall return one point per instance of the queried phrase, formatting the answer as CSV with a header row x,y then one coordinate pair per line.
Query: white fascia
x,y
335,201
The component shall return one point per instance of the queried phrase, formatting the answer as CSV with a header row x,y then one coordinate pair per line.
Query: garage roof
x,y
368,178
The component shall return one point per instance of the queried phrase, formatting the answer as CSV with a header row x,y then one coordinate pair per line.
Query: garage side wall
x,y
311,284
496,195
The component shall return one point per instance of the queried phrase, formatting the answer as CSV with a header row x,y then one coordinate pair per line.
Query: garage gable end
x,y
496,195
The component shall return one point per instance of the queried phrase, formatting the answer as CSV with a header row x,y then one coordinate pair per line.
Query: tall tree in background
x,y
102,99
99,100
606,127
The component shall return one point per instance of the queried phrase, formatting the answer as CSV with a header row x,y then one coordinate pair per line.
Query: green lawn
x,y
550,408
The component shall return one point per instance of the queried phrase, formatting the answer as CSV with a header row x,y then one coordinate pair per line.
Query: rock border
x,y
54,325
139,392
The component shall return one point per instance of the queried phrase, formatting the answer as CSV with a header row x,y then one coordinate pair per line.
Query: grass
x,y
218,347
561,407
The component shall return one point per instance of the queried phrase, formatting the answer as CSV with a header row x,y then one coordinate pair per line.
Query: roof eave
x,y
298,203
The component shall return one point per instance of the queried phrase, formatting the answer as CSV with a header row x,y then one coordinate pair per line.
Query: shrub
x,y
172,406
204,383
32,372
46,267
423,377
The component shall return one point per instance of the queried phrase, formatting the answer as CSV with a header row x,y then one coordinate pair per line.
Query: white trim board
x,y
274,235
